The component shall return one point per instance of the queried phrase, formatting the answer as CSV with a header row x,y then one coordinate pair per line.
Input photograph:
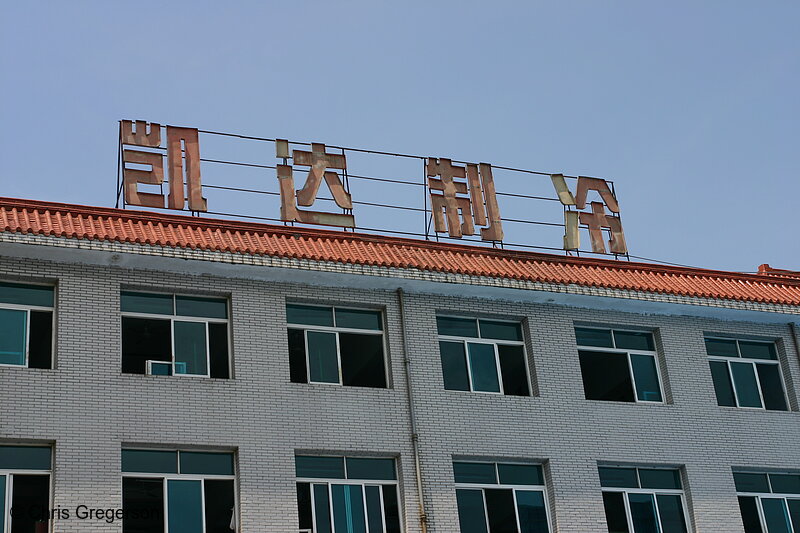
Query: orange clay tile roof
x,y
148,228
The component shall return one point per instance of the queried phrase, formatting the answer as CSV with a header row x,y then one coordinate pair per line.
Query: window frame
x,y
9,473
514,489
305,328
628,352
28,309
753,362
494,343
769,495
181,318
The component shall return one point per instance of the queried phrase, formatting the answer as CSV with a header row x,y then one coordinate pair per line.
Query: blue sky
x,y
691,108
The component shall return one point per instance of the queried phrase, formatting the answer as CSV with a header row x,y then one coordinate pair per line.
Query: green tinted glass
x,y
25,457
474,473
483,366
507,331
19,294
140,302
204,307
150,461
191,348
348,509
309,314
520,474
750,482
722,383
758,350
785,483
471,511
659,478
323,362
594,337
721,347
618,477
454,365
634,340
319,467
369,468
13,336
358,319
185,506
646,377
776,515
206,463
457,327
744,380
670,509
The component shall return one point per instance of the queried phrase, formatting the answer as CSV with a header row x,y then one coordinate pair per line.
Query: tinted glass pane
x,y
319,467
2,503
500,510
391,509
15,293
723,347
358,319
219,505
368,468
634,340
606,376
40,349
746,482
506,331
191,356
297,356
374,511
13,333
794,514
512,369
484,367
531,511
670,509
145,339
722,383
457,327
322,359
160,369
205,307
776,515
618,477
471,512
659,479
218,350
184,506
322,510
25,457
143,505
151,461
362,360
758,350
206,463
310,315
594,337
454,365
348,509
474,472
520,474
785,483
769,378
646,377
31,493
744,380
643,513
616,519
138,302
749,508
304,506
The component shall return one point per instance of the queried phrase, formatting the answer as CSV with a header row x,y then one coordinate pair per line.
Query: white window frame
x,y
628,352
771,496
336,330
514,489
181,318
494,343
654,493
28,309
753,362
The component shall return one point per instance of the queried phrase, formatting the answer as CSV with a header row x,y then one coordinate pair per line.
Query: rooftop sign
x,y
461,200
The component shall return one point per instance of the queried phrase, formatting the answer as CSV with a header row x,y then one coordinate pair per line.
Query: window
x,y
770,503
26,325
500,497
336,345
482,355
746,373
347,495
24,487
643,500
165,334
167,491
618,366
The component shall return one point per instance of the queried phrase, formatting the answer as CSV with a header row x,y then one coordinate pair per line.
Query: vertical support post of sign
x,y
119,164
425,221
346,188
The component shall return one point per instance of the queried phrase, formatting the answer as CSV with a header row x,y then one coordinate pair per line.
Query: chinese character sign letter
x,y
457,206
183,157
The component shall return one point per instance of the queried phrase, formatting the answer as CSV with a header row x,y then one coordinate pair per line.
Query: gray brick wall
x,y
89,409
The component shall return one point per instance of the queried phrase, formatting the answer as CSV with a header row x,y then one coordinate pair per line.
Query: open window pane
x,y
298,373
750,518
322,510
219,505
532,512
191,355
362,360
31,493
634,340
457,327
646,377
13,332
372,494
670,509
21,294
512,368
139,302
606,376
643,513
769,377
40,349
184,506
358,319
744,379
484,367
2,503
304,509
594,337
500,510
322,359
758,350
348,509
205,307
722,383
722,347
454,365
507,331
794,514
391,509
143,503
776,515
218,350
144,339
309,315
616,518
471,511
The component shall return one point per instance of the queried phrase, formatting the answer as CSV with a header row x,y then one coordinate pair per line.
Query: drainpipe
x,y
423,517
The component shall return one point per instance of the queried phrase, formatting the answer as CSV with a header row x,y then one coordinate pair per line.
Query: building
x,y
193,374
